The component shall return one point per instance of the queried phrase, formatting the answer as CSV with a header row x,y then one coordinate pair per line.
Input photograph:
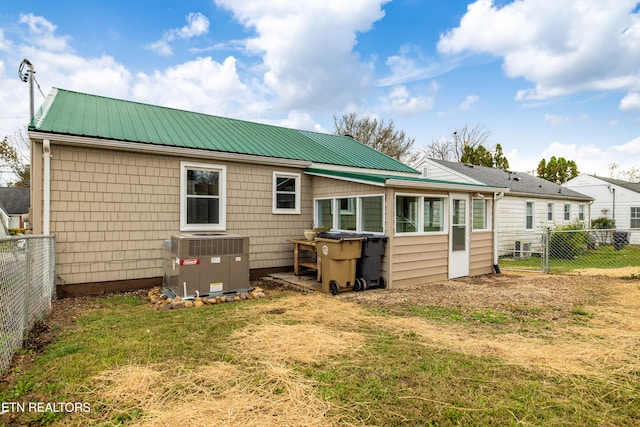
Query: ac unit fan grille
x,y
206,247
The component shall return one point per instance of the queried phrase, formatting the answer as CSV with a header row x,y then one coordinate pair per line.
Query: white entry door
x,y
459,236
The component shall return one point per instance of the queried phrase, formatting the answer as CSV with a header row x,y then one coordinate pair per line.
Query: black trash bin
x,y
369,266
620,239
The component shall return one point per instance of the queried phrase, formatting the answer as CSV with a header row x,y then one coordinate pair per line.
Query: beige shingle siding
x,y
112,212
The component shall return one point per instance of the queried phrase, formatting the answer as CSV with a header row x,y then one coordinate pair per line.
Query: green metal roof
x,y
79,114
381,179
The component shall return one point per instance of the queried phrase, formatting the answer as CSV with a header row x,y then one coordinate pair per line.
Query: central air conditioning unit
x,y
206,264
522,249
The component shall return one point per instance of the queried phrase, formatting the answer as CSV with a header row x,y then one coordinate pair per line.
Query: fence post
x,y
545,249
27,287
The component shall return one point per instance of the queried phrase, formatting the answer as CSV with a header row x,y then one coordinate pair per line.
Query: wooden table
x,y
306,246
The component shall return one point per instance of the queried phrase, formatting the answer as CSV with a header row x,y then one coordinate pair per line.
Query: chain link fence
x,y
571,251
27,287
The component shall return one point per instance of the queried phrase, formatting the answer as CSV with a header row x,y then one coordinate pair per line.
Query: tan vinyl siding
x,y
112,211
481,253
419,259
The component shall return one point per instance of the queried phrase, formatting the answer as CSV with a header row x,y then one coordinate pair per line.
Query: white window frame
x,y
298,192
550,212
581,212
420,218
632,217
222,196
566,213
353,209
533,215
487,214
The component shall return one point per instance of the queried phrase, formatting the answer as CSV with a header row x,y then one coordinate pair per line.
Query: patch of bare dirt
x,y
593,323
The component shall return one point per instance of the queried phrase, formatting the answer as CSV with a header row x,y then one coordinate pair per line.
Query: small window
x,y
550,212
635,218
480,221
581,212
348,217
372,214
202,197
529,218
433,214
406,214
286,193
567,212
324,213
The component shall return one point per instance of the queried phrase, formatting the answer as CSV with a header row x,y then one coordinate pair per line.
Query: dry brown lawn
x,y
308,327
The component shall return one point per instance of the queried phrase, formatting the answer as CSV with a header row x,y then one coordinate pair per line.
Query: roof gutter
x,y
90,142
445,186
550,196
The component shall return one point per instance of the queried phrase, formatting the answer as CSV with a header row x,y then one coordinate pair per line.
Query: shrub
x,y
604,227
603,223
568,241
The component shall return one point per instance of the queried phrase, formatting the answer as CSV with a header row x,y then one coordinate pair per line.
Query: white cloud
x,y
589,158
312,64
556,120
41,33
400,101
468,102
631,148
409,65
630,102
213,88
299,120
197,25
563,47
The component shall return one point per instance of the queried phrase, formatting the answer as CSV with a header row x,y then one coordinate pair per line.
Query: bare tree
x,y
452,148
631,175
440,149
469,137
14,159
376,134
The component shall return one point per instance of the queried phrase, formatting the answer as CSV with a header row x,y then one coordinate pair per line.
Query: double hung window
x,y
202,197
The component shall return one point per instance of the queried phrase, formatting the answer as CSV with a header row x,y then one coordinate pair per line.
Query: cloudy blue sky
x,y
545,77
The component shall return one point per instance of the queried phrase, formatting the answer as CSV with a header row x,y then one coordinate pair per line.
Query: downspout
x,y
46,187
496,197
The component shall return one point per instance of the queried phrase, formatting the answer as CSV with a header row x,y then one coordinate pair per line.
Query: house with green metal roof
x,y
114,180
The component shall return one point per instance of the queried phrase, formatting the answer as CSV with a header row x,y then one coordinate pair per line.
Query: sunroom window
x,y
420,214
357,213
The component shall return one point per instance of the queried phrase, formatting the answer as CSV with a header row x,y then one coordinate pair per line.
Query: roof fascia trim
x,y
164,149
343,178
446,186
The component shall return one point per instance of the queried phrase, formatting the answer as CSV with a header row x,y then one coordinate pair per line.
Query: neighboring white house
x,y
14,206
613,198
531,204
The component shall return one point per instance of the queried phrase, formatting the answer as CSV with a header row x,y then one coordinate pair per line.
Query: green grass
x,y
601,257
395,378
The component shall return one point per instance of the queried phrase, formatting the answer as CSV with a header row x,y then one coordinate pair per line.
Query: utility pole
x,y
27,76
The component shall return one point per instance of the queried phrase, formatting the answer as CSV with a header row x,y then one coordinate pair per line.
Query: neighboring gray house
x,y
531,204
613,198
14,206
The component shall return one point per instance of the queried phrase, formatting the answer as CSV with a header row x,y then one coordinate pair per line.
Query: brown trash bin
x,y
340,254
